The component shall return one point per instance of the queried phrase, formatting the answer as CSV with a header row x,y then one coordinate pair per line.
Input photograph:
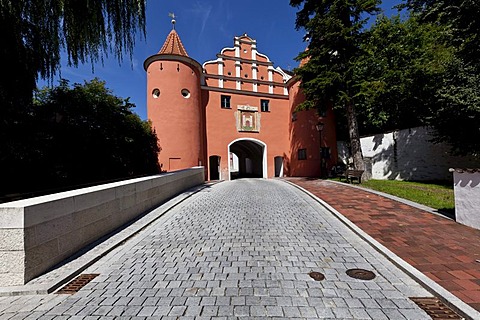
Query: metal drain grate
x,y
317,276
436,309
78,283
361,274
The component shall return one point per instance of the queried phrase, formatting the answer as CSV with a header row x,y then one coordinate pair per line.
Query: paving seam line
x,y
69,275
446,296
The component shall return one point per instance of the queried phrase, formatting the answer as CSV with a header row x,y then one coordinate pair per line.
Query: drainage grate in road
x,y
78,283
317,276
436,309
361,274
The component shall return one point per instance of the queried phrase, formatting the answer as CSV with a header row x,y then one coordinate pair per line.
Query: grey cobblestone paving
x,y
236,250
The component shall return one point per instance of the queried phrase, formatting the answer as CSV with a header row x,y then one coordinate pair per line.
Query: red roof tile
x,y
173,45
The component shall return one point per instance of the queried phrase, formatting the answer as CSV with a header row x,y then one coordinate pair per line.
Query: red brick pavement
x,y
446,251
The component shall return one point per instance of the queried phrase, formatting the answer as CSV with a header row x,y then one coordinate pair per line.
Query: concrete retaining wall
x,y
408,155
467,197
38,233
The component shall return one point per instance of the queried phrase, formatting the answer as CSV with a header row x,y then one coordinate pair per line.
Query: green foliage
x,y
336,33
462,17
402,67
36,31
457,116
86,29
82,134
400,73
434,195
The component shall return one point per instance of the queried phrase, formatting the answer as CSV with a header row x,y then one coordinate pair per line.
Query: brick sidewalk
x,y
445,251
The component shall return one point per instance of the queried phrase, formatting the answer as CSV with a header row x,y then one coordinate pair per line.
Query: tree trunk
x,y
356,148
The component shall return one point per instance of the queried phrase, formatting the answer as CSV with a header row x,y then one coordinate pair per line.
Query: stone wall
x,y
467,197
408,155
38,233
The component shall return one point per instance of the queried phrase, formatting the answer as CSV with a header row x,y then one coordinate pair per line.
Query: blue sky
x,y
205,27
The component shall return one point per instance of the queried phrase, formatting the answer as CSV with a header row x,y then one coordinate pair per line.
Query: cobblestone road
x,y
239,249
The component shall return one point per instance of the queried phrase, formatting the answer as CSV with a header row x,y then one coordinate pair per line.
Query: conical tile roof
x,y
173,45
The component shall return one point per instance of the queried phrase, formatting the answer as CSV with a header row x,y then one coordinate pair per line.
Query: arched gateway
x,y
223,113
252,158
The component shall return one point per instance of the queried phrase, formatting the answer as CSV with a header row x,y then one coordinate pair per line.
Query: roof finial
x,y
172,15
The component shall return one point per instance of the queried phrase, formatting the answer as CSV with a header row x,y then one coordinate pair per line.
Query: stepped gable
x,y
173,45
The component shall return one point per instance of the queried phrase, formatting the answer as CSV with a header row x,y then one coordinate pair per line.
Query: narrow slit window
x,y
265,105
302,154
225,102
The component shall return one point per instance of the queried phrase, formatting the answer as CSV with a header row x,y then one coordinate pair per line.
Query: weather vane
x,y
172,15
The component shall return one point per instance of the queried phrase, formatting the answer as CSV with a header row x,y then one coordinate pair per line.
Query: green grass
x,y
435,195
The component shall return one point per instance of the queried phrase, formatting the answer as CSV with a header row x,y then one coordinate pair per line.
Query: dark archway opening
x,y
278,161
250,159
214,167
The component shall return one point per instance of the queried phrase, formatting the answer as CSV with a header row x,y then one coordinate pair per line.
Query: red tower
x,y
235,115
174,105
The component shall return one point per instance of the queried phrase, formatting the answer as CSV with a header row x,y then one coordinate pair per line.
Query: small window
x,y
225,102
265,105
156,93
302,154
185,93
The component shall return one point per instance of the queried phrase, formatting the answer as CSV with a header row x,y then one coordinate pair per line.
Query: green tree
x,y
34,33
403,66
457,118
336,30
462,17
84,134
